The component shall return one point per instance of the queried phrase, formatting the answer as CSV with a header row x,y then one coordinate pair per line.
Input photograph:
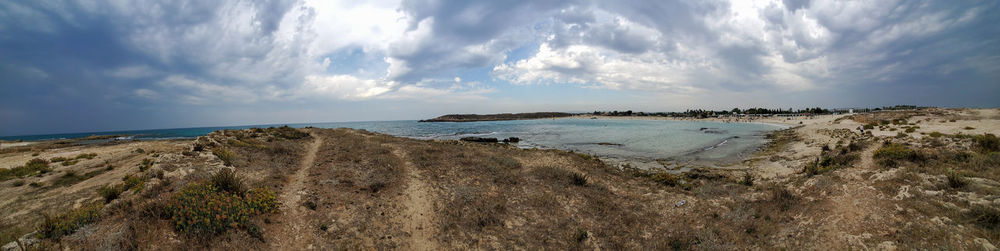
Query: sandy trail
x,y
417,219
296,236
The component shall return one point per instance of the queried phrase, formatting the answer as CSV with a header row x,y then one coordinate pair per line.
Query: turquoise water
x,y
643,139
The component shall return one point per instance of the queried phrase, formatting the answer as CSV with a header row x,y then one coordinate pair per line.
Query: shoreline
x,y
765,120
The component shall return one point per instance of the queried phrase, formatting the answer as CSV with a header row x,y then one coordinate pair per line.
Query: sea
x,y
638,142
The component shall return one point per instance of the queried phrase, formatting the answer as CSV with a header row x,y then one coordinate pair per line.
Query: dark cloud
x,y
146,63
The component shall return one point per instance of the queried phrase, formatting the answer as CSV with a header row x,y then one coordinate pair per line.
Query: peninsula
x,y
496,117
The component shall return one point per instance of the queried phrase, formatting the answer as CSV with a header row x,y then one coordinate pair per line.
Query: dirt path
x,y
867,158
418,217
294,234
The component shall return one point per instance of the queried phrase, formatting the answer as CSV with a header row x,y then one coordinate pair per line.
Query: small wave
x,y
717,145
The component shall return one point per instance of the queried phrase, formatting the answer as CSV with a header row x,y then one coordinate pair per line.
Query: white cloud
x,y
345,87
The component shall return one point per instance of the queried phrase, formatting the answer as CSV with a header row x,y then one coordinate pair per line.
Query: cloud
x,y
346,87
74,56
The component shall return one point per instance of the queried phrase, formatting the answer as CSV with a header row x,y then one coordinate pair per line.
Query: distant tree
x,y
736,110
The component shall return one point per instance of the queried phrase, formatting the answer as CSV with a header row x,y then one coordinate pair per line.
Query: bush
x,y
578,179
747,179
201,208
54,227
145,165
32,167
936,134
782,198
70,162
225,155
889,155
910,130
227,180
110,192
987,142
956,180
985,216
36,184
58,159
135,183
286,132
869,127
18,183
969,128
86,156
665,178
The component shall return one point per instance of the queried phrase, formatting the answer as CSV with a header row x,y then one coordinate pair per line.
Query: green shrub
x,y
18,183
890,154
58,159
286,132
227,180
869,127
33,166
985,216
969,128
225,155
36,184
145,164
987,142
201,208
910,129
135,183
665,178
747,179
956,180
57,226
69,162
110,192
578,179
936,134
86,156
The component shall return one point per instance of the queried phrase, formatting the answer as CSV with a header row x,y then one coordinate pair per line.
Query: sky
x,y
82,66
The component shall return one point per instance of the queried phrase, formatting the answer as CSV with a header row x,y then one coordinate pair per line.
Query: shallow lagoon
x,y
638,141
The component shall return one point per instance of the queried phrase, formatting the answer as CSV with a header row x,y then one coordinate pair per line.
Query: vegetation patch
x,y
987,142
891,154
208,208
985,216
71,177
55,226
145,164
286,132
32,167
843,156
225,155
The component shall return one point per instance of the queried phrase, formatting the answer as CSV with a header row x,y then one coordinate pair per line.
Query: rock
x,y
512,140
480,140
27,240
985,244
